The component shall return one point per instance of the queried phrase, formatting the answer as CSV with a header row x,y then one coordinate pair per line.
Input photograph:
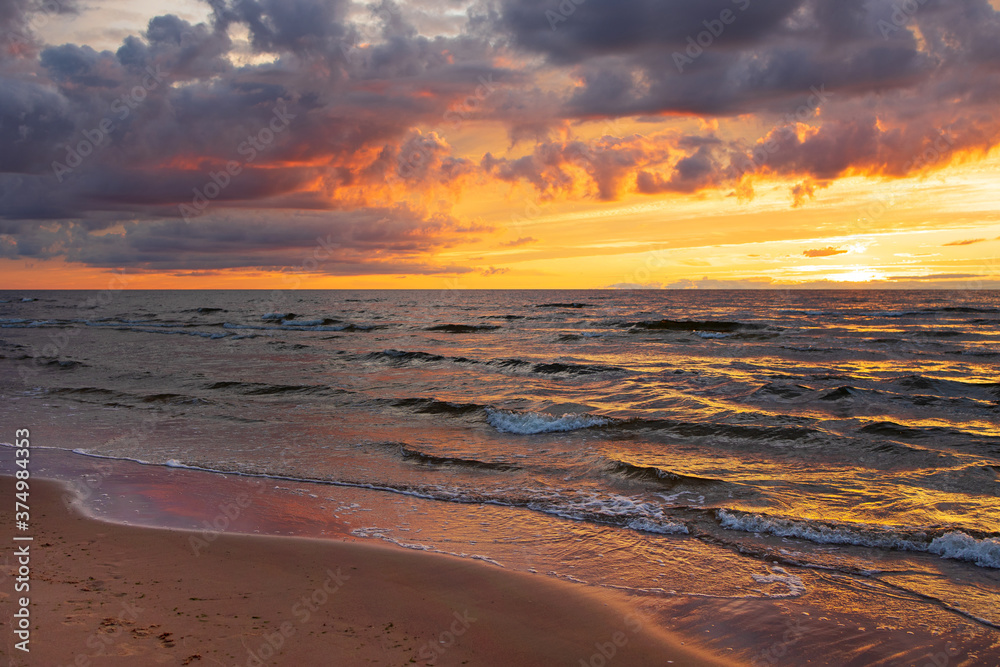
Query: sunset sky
x,y
500,143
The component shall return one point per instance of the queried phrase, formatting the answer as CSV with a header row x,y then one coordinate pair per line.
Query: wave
x,y
574,369
530,423
401,357
173,399
432,460
306,326
691,325
941,385
432,406
658,527
462,328
658,475
122,398
959,546
566,338
844,393
773,390
577,505
941,333
564,305
710,429
199,334
893,430
61,364
85,391
891,313
963,309
955,544
263,389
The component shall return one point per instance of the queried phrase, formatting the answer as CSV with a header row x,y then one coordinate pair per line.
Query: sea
x,y
793,477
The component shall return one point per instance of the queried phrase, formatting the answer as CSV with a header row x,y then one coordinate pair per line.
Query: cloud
x,y
328,122
710,283
879,97
940,276
517,243
829,251
102,148
627,286
375,240
966,242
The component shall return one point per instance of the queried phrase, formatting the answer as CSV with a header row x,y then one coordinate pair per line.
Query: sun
x,y
857,275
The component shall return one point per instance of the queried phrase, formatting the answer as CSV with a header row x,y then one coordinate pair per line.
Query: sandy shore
x,y
107,594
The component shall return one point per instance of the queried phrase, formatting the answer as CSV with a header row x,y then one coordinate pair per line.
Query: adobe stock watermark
x,y
110,631
249,149
58,342
229,513
872,212
322,253
88,483
942,658
773,654
431,651
714,28
764,151
353,52
37,19
99,136
566,9
303,611
606,651
423,152
642,276
902,13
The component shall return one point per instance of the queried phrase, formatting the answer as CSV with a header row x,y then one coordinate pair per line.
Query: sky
x,y
467,144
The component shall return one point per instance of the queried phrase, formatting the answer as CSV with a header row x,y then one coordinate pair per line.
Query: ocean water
x,y
832,455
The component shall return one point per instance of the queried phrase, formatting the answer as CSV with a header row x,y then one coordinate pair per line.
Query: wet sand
x,y
110,594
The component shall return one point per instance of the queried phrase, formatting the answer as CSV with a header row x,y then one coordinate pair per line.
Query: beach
x,y
110,594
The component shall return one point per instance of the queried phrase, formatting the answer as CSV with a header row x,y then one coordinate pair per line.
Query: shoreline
x,y
106,593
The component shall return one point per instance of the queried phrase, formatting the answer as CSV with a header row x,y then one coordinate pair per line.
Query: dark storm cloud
x,y
19,19
99,140
385,240
656,56
886,88
297,26
570,32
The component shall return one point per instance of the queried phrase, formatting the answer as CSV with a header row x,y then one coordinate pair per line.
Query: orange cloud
x,y
829,251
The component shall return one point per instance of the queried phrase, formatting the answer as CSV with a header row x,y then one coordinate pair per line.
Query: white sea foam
x,y
780,575
955,545
662,527
959,546
528,423
817,532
